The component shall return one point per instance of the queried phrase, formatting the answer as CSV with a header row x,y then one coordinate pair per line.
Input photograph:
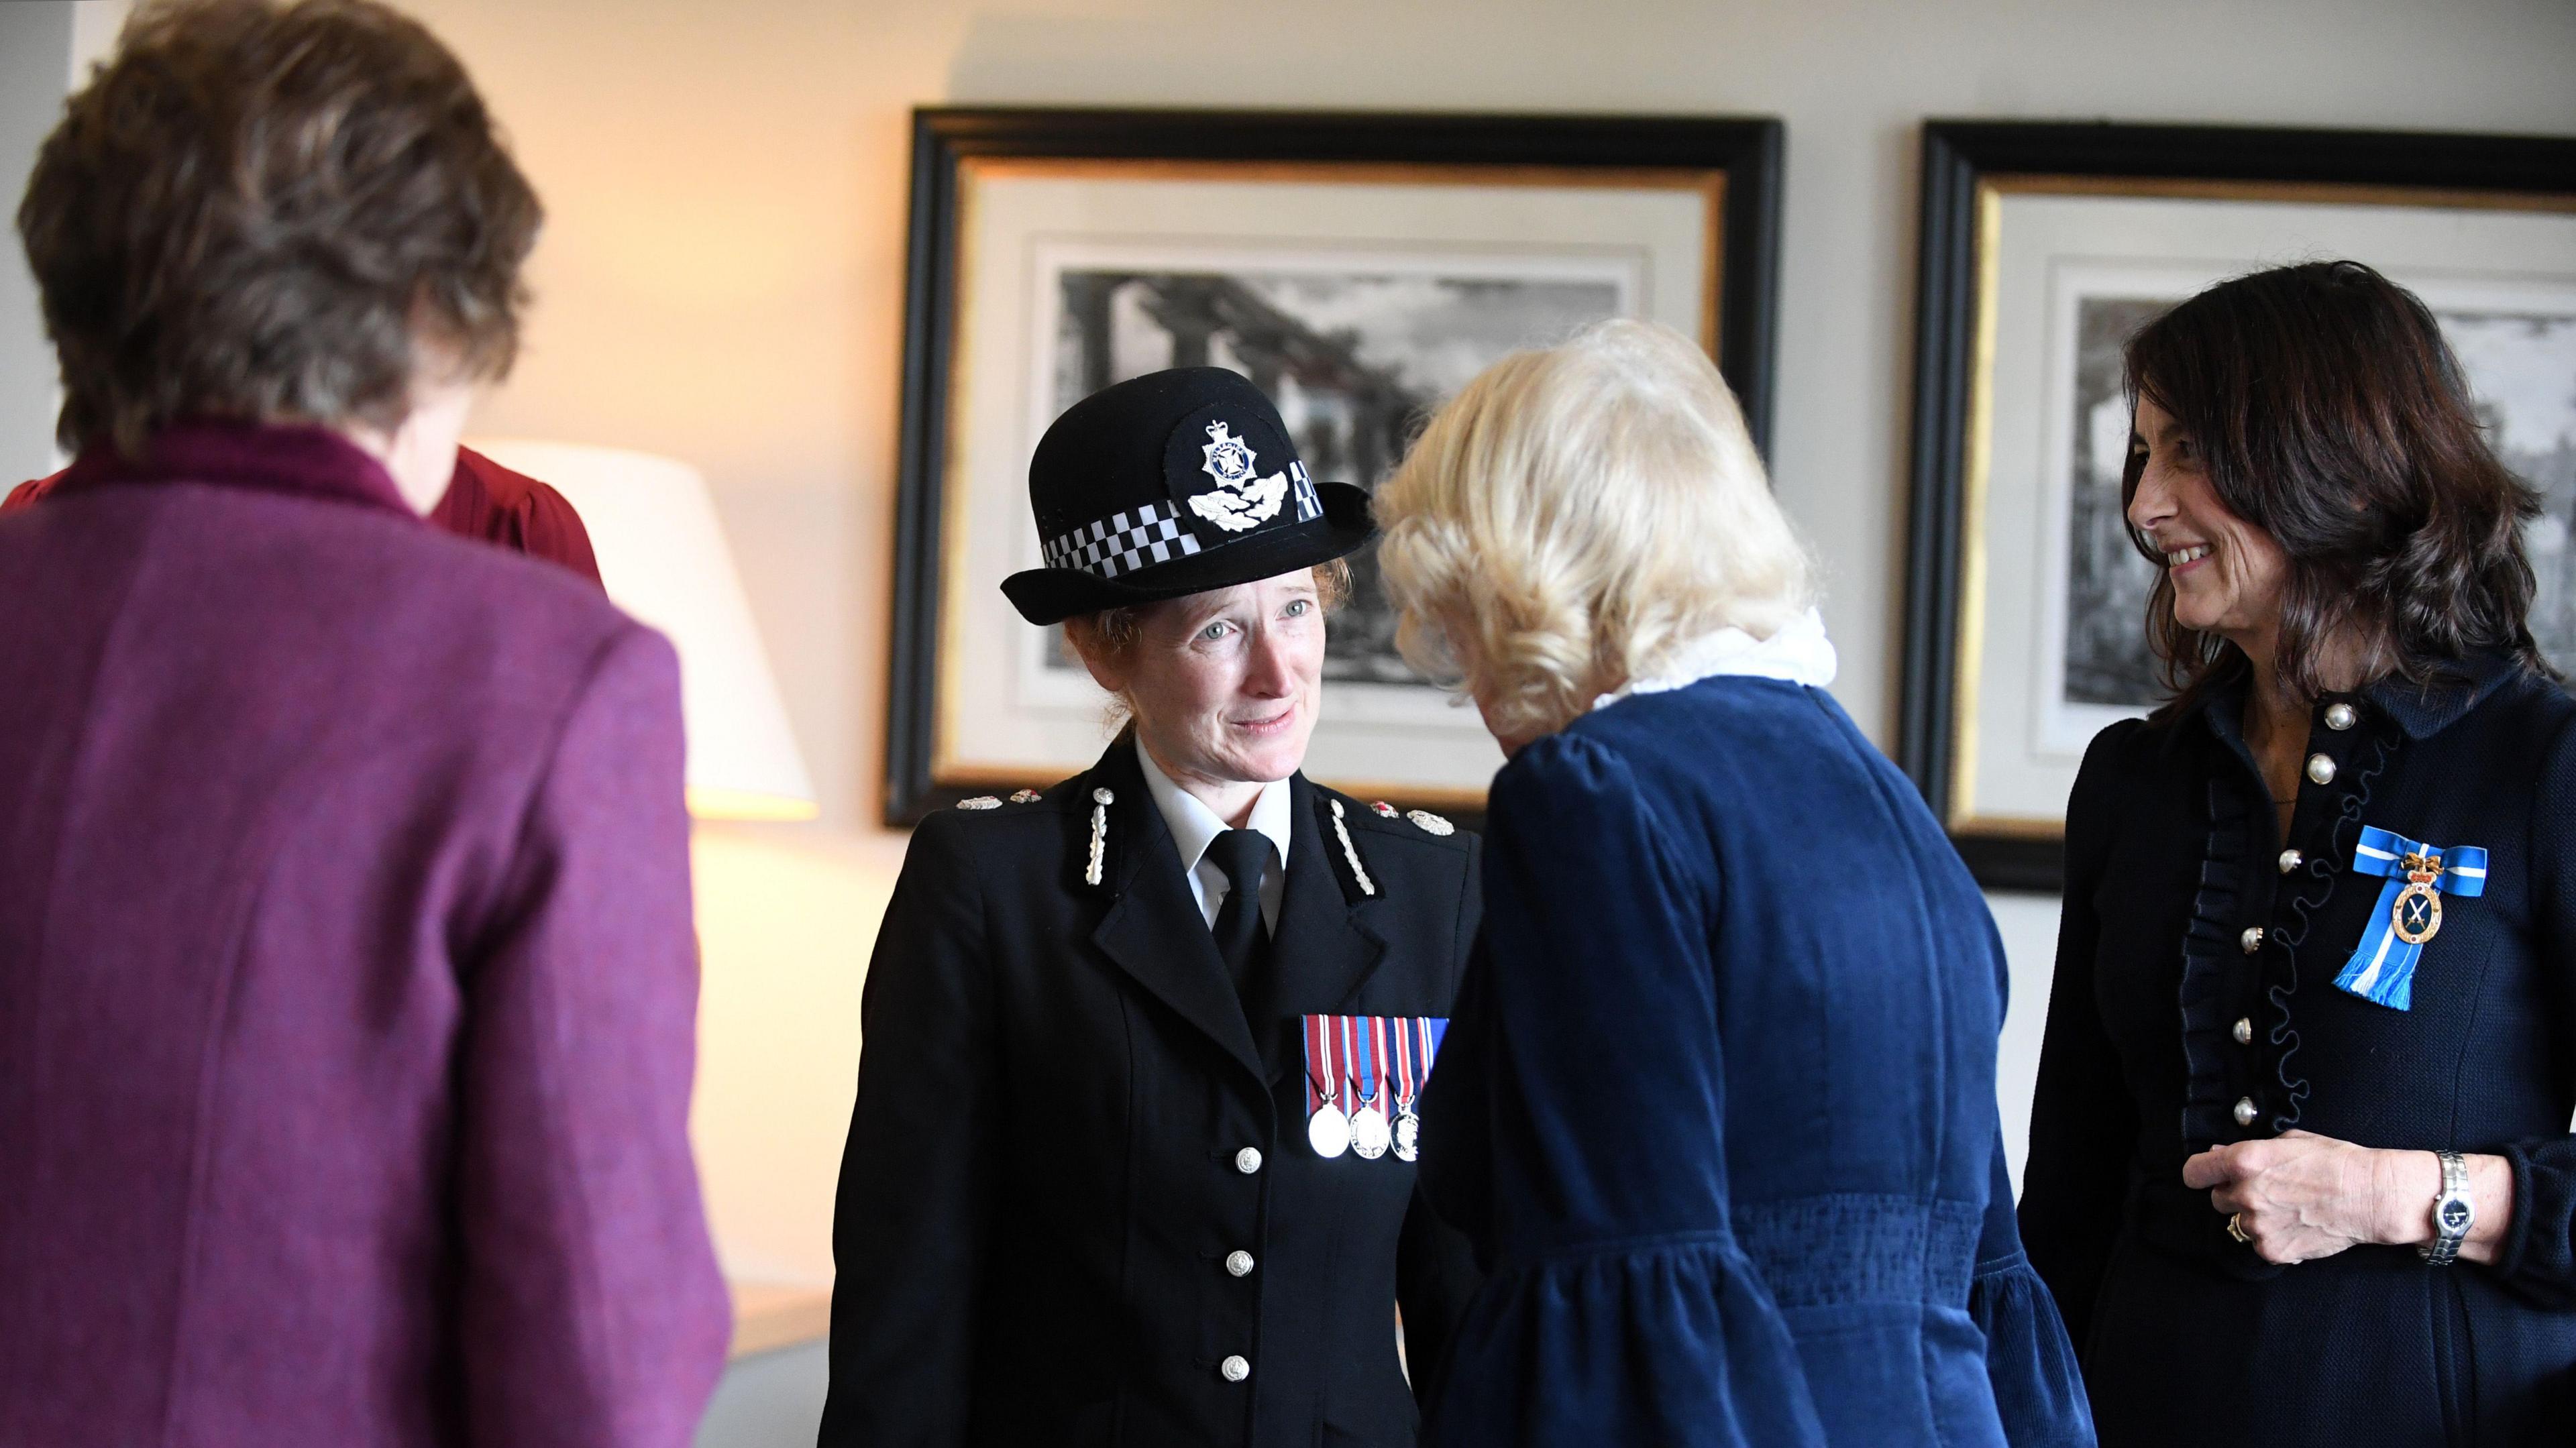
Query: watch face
x,y
2455,1215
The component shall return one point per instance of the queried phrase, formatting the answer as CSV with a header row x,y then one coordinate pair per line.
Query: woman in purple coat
x,y
346,973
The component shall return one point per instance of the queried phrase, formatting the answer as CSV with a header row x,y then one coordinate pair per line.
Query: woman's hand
x,y
2300,1196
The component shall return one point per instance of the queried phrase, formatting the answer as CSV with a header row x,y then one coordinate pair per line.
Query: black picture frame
x,y
1748,150
1960,158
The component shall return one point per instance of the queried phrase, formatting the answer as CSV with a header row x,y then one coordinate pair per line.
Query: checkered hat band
x,y
1126,541
1123,542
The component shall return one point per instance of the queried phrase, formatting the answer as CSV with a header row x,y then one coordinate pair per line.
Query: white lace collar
x,y
1797,652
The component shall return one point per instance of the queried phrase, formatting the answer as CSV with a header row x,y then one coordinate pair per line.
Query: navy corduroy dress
x,y
1718,1104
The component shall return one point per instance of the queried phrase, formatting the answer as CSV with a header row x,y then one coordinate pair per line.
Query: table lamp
x,y
663,556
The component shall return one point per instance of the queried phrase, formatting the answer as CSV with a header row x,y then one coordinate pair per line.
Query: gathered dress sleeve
x,y
2537,1259
1575,1128
2083,1124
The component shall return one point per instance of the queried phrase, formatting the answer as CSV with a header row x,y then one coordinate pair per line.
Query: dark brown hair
x,y
251,208
2330,414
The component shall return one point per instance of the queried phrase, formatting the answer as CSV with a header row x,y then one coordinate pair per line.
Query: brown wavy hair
x,y
251,210
2332,415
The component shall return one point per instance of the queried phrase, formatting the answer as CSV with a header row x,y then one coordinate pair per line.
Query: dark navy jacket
x,y
1047,1166
1718,1105
2172,858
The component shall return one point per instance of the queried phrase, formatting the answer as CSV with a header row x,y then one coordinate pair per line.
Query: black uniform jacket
x,y
1053,1151
2195,1004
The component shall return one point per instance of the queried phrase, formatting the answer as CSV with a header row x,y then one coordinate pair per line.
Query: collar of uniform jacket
x,y
1194,827
305,462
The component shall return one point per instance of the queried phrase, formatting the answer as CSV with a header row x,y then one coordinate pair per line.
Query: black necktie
x,y
1240,938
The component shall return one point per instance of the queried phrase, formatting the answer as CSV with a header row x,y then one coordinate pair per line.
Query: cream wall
x,y
721,281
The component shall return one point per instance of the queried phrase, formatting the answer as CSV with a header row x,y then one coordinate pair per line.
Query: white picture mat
x,y
2052,251
1001,712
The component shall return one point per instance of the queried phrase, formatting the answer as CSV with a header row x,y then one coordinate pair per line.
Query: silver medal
x,y
1408,1135
1368,1132
1328,1131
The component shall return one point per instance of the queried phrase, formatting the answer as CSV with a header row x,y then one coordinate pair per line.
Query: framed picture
x,y
1358,268
2044,247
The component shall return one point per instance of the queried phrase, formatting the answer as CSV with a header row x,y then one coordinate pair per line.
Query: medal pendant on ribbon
x,y
2409,913
1370,1135
1328,1128
1328,1131
1408,1087
1361,1068
2417,916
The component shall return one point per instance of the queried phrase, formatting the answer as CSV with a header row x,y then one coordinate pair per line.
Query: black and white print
x,y
1354,361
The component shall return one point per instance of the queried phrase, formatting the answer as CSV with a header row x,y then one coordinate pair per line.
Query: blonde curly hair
x,y
1574,516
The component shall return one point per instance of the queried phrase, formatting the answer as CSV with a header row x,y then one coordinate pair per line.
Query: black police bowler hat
x,y
1170,484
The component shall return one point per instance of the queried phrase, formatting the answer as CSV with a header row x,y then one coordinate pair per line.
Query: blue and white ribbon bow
x,y
2383,969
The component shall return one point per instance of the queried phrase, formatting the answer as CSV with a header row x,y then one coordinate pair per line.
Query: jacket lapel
x,y
1153,930
1324,949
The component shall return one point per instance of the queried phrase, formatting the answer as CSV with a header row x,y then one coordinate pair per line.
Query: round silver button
x,y
1248,1160
2321,769
2291,860
1235,1369
2245,1111
2340,716
2244,1031
2252,939
1238,1264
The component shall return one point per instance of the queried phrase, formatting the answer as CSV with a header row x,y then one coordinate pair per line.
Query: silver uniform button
x,y
2340,717
1248,1160
2291,860
1238,1264
2244,1031
2252,939
1235,1369
2245,1111
2321,769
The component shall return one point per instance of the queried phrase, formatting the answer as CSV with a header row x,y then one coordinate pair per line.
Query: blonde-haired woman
x,y
1717,1106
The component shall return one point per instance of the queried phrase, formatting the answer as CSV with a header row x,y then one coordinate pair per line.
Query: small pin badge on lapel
x,y
981,801
1431,824
1026,796
1383,808
1101,799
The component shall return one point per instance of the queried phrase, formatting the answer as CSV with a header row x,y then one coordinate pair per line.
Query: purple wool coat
x,y
347,980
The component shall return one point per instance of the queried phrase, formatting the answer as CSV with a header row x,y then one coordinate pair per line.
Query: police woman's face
x,y
2227,573
1225,684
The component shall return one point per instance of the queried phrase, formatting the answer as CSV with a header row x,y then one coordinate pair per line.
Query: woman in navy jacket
x,y
1717,1106
2300,1169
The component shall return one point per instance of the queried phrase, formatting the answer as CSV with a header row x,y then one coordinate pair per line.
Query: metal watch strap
x,y
2453,1212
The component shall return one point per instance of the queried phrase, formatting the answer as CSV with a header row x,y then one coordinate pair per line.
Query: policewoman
x,y
2300,1170
1131,1159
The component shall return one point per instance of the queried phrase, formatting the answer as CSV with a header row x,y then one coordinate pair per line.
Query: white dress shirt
x,y
1194,827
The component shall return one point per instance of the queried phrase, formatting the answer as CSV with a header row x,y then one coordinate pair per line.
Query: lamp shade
x,y
663,556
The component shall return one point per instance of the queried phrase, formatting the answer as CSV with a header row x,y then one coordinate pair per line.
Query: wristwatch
x,y
2453,1212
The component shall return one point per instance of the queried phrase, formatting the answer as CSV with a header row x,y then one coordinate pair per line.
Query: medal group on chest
x,y
1364,1080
